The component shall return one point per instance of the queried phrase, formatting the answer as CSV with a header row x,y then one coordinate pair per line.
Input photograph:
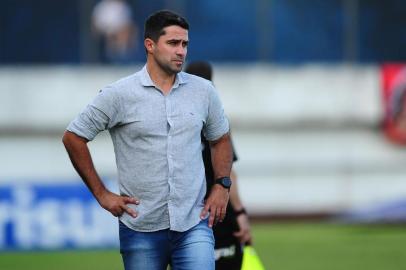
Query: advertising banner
x,y
57,216
394,96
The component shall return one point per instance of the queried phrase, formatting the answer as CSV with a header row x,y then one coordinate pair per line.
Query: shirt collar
x,y
180,79
147,81
145,78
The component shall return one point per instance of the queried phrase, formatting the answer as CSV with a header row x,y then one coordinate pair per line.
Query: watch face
x,y
227,182
224,182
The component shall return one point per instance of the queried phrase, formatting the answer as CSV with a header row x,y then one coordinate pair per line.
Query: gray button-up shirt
x,y
156,140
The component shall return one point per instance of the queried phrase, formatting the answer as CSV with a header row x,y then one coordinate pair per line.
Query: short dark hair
x,y
156,22
200,68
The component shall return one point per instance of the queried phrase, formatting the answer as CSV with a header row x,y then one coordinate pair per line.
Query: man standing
x,y
155,117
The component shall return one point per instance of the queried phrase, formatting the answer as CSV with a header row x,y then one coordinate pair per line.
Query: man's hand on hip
x,y
117,204
216,205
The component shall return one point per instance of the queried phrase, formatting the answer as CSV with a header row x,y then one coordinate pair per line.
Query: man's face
x,y
171,49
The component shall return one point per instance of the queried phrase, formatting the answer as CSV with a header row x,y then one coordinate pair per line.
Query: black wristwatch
x,y
225,182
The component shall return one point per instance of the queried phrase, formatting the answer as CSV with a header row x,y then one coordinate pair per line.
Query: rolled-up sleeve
x,y
217,124
99,115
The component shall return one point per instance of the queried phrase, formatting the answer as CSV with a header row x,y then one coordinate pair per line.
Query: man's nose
x,y
181,50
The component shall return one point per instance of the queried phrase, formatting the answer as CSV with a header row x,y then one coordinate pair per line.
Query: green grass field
x,y
284,246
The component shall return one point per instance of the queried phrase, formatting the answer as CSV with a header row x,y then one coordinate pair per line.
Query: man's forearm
x,y
221,156
79,154
82,161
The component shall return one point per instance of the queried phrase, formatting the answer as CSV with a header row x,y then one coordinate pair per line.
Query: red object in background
x,y
392,74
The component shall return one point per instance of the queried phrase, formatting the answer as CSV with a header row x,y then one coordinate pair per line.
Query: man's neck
x,y
161,79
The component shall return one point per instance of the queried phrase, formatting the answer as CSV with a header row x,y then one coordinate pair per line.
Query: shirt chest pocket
x,y
187,120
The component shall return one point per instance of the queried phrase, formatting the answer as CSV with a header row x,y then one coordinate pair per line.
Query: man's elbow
x,y
65,138
224,138
69,138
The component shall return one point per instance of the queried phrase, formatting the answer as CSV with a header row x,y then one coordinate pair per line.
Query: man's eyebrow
x,y
178,40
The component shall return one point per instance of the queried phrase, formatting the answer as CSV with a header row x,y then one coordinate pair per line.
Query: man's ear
x,y
149,44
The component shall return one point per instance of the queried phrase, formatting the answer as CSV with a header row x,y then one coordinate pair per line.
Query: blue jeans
x,y
189,250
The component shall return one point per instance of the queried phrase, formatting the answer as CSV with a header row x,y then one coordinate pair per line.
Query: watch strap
x,y
240,212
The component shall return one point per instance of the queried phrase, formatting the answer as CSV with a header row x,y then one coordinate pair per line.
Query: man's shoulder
x,y
126,82
123,86
196,80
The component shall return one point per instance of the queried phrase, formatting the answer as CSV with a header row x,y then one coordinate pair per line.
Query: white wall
x,y
312,94
48,97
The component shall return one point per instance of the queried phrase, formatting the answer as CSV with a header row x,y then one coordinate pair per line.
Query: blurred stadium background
x,y
301,81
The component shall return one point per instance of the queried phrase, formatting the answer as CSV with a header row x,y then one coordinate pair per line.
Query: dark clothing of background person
x,y
227,246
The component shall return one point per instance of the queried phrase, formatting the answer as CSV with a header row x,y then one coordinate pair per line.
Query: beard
x,y
169,68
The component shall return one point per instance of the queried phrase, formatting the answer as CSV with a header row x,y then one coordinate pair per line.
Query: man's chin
x,y
172,69
177,68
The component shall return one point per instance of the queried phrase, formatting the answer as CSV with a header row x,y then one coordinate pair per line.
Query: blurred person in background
x,y
234,232
113,26
155,118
